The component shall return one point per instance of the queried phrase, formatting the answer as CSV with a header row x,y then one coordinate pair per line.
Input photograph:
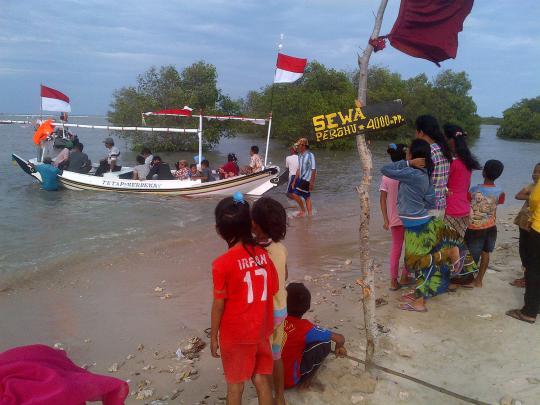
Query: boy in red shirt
x,y
306,345
245,282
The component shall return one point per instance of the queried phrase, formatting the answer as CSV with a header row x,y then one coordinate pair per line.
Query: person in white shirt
x,y
148,157
109,164
304,181
291,163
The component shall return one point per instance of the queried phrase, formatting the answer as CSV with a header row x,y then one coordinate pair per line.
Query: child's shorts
x,y
276,340
480,240
242,361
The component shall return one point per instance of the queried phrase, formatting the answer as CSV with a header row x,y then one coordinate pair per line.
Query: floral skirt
x,y
424,256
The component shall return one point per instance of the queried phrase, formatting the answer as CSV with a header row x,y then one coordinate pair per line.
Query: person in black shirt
x,y
159,170
78,161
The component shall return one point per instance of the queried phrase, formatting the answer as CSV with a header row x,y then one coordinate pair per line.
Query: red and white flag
x,y
53,100
184,112
289,69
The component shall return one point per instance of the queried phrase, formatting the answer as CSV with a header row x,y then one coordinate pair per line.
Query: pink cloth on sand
x,y
39,374
398,235
391,187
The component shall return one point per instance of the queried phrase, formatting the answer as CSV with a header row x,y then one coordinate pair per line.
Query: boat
x,y
255,184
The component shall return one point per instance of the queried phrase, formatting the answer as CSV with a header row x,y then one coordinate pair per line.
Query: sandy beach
x,y
127,313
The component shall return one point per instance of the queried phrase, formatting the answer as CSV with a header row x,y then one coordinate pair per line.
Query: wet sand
x,y
137,307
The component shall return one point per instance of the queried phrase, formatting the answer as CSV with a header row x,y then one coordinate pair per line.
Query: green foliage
x,y
322,90
195,86
446,97
522,120
490,120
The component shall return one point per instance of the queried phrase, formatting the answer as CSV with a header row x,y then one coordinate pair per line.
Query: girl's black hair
x,y
233,222
421,149
140,159
270,215
429,125
456,133
397,152
255,149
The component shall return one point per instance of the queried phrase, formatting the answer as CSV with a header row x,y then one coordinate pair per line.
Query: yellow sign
x,y
357,120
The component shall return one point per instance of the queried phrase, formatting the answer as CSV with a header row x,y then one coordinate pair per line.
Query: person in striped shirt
x,y
428,129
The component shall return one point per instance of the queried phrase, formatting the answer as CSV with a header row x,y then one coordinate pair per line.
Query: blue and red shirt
x,y
298,334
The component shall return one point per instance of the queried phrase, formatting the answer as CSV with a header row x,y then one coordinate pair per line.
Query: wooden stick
x,y
366,263
421,382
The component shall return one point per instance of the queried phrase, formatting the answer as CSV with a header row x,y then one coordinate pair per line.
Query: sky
x,y
89,48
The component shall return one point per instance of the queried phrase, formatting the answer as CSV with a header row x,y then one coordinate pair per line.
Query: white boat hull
x,y
253,184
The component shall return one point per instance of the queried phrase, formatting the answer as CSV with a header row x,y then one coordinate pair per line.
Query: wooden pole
x,y
366,262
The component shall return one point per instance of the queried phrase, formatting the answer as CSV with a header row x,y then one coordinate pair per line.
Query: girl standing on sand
x,y
427,128
388,201
458,206
523,221
270,228
531,306
429,244
245,282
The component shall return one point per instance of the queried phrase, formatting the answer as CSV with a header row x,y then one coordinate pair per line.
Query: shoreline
x,y
157,298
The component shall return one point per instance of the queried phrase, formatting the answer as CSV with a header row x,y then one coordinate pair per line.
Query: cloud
x,y
96,46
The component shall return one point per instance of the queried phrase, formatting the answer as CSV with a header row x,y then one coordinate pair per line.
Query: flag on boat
x,y
184,112
54,100
44,130
289,69
429,29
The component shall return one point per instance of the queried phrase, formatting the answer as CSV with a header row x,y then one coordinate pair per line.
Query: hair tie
x,y
238,198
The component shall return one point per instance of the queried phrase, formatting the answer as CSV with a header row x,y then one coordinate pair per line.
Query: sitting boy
x,y
306,345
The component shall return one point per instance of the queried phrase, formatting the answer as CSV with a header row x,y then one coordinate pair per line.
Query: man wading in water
x,y
304,180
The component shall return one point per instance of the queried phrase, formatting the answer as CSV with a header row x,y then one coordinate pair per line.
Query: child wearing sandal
x,y
388,201
270,226
429,244
245,282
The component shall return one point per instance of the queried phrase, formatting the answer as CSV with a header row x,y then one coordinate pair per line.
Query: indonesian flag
x,y
289,69
185,112
53,100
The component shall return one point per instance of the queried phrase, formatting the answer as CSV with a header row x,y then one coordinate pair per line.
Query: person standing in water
x,y
304,181
427,128
49,174
291,163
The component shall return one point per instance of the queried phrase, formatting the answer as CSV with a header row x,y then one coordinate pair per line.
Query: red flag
x,y
54,100
185,112
289,69
428,29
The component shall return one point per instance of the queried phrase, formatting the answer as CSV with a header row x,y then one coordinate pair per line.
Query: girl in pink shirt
x,y
464,162
389,193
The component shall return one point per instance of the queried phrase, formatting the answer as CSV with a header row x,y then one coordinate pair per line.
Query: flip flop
x,y
407,297
409,307
516,314
467,286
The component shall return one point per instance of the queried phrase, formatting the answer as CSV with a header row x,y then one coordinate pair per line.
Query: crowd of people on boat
x,y
67,153
447,226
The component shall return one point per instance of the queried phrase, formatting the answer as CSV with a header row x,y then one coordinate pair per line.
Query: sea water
x,y
39,229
